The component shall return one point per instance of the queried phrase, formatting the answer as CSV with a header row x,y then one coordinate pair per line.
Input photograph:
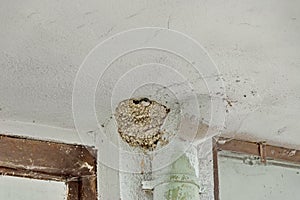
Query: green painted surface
x,y
181,185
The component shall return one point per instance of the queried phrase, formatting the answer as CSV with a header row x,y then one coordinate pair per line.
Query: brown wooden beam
x,y
30,174
216,171
73,191
84,188
88,188
259,148
46,157
76,165
238,146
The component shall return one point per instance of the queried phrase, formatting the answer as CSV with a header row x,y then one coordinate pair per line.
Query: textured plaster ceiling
x,y
255,44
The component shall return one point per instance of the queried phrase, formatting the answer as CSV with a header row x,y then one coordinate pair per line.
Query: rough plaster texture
x,y
206,173
255,44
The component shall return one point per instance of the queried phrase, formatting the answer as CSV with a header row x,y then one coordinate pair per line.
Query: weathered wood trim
x,y
73,191
88,188
76,165
259,148
4,171
216,171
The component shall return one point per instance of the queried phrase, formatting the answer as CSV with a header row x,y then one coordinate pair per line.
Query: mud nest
x,y
139,122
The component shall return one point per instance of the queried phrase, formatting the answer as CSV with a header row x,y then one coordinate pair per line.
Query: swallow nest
x,y
139,122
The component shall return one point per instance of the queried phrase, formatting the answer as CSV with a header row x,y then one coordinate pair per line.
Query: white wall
x,y
15,188
255,44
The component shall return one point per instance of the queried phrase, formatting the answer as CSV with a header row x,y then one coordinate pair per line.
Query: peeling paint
x,y
86,165
292,153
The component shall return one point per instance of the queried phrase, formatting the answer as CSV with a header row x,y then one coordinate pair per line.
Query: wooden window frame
x,y
261,149
76,165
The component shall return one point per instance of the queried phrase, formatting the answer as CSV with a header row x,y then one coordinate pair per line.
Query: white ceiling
x,y
255,44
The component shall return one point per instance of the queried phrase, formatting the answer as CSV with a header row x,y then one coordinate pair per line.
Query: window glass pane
x,y
244,177
15,188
